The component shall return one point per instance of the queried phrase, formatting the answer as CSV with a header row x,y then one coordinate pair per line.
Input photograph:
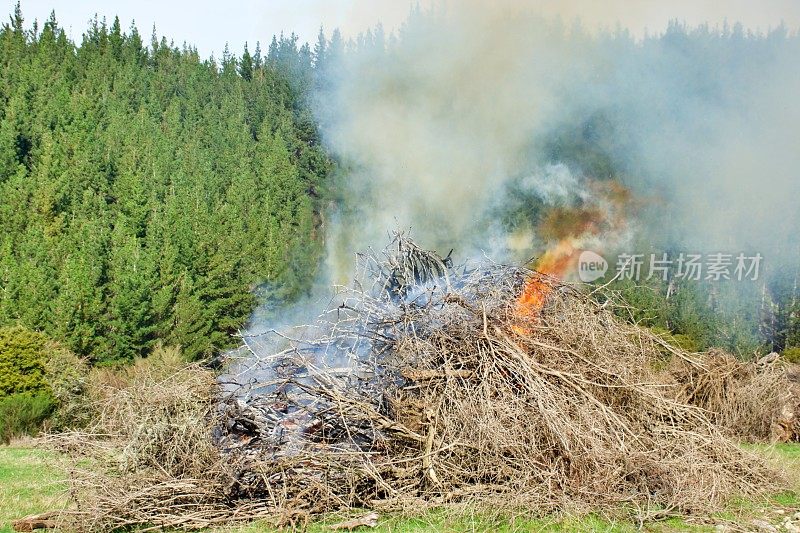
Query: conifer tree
x,y
135,204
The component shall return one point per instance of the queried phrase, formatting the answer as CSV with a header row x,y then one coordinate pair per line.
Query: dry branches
x,y
446,394
438,393
745,399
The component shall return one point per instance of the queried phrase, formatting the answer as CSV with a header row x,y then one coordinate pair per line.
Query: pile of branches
x,y
750,400
148,458
443,392
422,385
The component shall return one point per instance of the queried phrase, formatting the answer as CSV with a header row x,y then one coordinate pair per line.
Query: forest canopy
x,y
148,193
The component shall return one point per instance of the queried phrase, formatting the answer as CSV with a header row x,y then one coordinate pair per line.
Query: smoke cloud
x,y
439,126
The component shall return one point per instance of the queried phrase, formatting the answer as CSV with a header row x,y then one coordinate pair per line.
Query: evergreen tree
x,y
246,65
138,200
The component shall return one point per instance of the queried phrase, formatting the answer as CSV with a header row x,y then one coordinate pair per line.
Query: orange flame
x,y
553,263
570,228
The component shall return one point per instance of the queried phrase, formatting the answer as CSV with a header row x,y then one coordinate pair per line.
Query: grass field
x,y
31,481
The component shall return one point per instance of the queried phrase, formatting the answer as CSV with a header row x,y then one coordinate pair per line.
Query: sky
x,y
210,24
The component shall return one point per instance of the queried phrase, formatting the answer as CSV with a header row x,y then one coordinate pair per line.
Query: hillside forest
x,y
152,196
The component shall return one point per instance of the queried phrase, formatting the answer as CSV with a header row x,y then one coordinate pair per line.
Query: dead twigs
x,y
421,386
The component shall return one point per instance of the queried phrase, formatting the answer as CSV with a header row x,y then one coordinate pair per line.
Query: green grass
x,y
446,522
30,483
787,451
786,457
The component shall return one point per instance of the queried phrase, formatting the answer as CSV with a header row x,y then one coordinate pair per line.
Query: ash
x,y
283,386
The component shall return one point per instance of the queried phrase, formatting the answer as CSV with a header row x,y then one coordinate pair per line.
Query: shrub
x,y
22,361
685,342
24,413
67,375
32,368
679,340
791,355
107,380
164,361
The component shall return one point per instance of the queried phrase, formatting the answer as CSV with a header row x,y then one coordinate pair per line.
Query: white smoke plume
x,y
434,124
469,117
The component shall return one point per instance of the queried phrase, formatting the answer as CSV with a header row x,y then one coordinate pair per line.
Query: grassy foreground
x,y
31,481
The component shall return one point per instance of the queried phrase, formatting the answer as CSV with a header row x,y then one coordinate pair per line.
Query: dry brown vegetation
x,y
149,452
746,400
454,398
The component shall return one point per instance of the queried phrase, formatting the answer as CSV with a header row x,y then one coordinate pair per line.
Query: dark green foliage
x,y
24,414
585,147
696,315
683,318
145,193
690,313
148,194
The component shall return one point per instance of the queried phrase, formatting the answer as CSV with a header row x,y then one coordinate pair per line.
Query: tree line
x,y
148,194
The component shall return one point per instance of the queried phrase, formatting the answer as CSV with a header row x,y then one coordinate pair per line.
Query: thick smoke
x,y
433,127
492,130
438,125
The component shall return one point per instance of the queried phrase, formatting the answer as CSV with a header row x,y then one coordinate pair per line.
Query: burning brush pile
x,y
426,385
